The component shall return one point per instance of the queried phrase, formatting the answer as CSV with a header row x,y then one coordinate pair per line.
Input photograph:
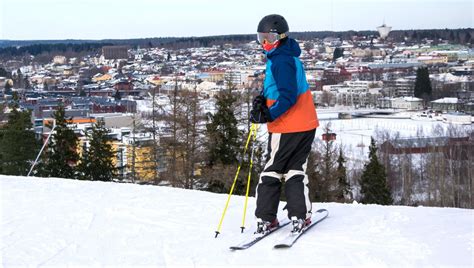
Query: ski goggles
x,y
271,38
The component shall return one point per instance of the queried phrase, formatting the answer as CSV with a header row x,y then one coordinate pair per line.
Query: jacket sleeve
x,y
284,73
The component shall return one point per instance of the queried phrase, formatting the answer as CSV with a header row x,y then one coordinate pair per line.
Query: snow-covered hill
x,y
57,222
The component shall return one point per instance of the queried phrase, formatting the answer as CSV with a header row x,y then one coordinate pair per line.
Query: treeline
x,y
19,147
19,48
37,49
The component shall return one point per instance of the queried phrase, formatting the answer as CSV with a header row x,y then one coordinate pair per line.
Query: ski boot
x,y
299,224
265,226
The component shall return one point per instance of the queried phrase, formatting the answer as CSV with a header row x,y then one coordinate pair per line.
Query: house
x,y
400,87
452,147
445,105
59,60
407,103
135,151
115,52
335,76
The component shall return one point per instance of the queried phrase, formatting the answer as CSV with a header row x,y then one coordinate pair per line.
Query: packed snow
x,y
58,222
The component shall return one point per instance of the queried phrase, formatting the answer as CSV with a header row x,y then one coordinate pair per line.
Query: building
x,y
429,60
134,156
445,105
407,103
453,148
115,52
213,76
350,93
384,30
59,60
335,76
400,87
233,77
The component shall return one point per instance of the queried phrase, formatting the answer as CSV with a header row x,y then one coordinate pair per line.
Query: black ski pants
x,y
287,158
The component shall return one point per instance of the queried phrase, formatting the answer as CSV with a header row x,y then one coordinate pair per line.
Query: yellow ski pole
x,y
254,129
233,184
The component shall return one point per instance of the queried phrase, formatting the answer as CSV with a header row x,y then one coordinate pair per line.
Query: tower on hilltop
x,y
384,30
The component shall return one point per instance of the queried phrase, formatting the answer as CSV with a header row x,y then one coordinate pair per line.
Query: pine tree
x,y
26,82
316,185
4,73
61,156
222,142
117,95
97,160
18,145
8,88
374,187
344,189
328,184
18,82
338,53
2,112
423,87
223,132
467,38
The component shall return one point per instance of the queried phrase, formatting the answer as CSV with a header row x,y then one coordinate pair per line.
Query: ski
x,y
255,238
291,239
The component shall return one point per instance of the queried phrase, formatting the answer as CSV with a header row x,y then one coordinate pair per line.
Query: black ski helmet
x,y
273,23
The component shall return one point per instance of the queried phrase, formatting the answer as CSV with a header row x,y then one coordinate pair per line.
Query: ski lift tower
x,y
384,30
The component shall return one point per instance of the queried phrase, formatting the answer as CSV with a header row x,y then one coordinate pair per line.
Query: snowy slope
x,y
57,222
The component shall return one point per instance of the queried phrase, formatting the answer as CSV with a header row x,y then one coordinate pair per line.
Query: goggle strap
x,y
281,36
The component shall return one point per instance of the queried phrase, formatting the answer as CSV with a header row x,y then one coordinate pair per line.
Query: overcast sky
x,y
104,19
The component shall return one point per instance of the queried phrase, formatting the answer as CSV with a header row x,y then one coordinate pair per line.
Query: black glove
x,y
260,113
259,102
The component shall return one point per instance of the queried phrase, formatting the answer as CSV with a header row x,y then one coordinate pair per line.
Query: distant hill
x,y
19,48
397,35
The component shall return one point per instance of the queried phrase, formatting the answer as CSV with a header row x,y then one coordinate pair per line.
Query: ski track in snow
x,y
57,222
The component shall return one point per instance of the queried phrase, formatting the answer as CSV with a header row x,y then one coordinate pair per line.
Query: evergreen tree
x,y
15,101
8,88
316,183
26,82
223,143
2,112
18,82
4,73
467,38
97,160
451,36
222,131
344,189
338,53
61,156
18,145
423,87
117,95
374,187
328,184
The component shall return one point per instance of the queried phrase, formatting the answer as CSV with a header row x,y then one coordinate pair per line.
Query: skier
x,y
286,105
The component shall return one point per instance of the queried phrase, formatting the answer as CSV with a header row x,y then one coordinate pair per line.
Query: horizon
x,y
107,19
204,36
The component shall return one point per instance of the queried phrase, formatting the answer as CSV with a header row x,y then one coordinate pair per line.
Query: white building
x,y
60,60
408,103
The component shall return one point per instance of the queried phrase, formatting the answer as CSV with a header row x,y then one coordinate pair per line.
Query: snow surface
x,y
57,222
